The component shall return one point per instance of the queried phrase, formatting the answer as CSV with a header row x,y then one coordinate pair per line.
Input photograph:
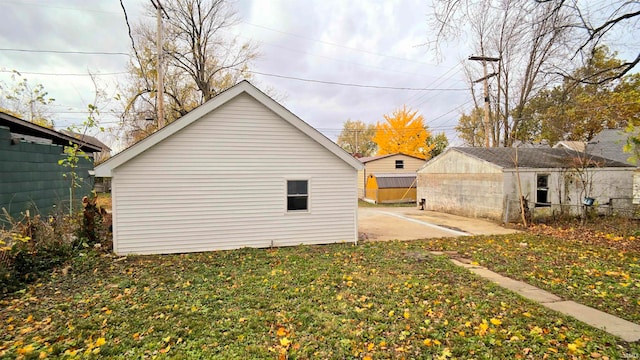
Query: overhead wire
x,y
65,52
64,74
336,45
353,84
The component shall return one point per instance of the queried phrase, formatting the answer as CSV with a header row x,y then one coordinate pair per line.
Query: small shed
x,y
391,188
238,171
387,164
483,182
30,176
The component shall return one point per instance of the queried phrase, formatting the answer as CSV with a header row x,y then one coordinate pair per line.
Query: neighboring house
x,y
391,188
483,182
238,171
609,143
571,145
30,176
386,164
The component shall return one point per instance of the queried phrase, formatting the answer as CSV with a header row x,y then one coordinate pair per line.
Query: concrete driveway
x,y
409,223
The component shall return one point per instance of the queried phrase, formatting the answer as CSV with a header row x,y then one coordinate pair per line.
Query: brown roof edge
x,y
37,130
373,158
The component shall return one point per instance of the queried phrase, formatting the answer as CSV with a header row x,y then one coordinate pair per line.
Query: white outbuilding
x,y
238,171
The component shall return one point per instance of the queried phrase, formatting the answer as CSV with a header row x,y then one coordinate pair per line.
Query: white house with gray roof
x,y
238,171
483,182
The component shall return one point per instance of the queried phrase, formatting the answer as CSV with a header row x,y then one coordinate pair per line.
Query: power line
x,y
64,74
66,52
330,58
41,4
336,45
351,84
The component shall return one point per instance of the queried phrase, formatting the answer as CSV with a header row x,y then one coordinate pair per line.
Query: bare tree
x,y
527,38
201,59
596,25
198,45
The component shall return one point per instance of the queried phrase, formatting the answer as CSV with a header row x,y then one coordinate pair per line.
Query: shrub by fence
x,y
32,246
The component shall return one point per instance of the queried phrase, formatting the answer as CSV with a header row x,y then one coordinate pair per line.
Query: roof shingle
x,y
539,158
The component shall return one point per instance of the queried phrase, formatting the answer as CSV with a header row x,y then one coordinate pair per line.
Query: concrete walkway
x,y
616,326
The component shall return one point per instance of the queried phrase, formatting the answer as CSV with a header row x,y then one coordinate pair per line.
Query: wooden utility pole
x,y
160,81
485,78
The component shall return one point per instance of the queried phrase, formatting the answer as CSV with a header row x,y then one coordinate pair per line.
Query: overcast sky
x,y
367,42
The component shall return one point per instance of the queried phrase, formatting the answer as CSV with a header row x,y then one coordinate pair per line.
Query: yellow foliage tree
x,y
403,132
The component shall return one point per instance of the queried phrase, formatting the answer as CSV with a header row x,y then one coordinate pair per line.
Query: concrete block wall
x,y
475,195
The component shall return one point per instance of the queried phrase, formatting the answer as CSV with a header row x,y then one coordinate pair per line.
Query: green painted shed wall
x,y
30,178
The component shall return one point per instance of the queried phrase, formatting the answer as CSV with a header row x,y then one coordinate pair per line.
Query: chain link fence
x,y
623,207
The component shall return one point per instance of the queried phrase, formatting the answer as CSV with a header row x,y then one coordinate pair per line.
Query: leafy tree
x,y
438,144
25,101
356,137
403,131
578,111
200,61
470,128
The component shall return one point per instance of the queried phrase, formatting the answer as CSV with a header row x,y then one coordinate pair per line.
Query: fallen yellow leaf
x,y
101,341
285,342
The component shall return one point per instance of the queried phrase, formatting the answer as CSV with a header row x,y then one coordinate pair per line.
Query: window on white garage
x,y
297,195
542,190
399,164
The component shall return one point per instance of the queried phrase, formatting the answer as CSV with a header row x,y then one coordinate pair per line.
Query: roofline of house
x,y
524,168
374,158
65,139
105,169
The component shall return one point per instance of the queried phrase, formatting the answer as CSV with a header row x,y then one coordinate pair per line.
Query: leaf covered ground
x,y
594,268
371,301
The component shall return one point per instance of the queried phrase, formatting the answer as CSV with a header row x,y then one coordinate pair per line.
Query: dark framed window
x,y
297,195
542,190
399,164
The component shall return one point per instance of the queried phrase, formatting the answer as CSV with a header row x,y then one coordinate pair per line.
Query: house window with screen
x,y
297,195
399,164
542,191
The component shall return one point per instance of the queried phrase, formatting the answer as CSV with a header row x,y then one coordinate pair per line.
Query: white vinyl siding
x,y
218,184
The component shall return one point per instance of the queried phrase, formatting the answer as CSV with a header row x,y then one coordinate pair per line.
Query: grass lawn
x,y
597,269
373,301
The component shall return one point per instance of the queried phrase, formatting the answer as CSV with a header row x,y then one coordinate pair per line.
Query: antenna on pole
x,y
160,81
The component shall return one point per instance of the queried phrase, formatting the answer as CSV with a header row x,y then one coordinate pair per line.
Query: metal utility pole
x,y
160,81
485,78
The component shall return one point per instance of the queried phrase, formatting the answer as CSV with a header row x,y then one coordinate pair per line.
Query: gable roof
x,y
394,180
537,158
29,129
367,159
243,87
609,144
